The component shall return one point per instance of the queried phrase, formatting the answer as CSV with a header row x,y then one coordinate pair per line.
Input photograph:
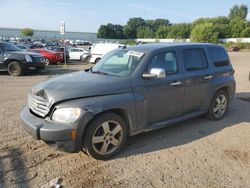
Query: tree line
x,y
235,25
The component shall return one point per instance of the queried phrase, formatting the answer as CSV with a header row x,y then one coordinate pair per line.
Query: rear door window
x,y
219,57
194,59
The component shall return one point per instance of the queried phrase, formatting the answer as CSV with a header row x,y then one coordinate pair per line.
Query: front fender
x,y
99,104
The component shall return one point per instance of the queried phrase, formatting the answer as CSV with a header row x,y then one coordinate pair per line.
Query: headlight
x,y
28,58
66,115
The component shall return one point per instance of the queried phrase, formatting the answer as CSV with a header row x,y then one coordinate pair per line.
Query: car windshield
x,y
10,47
121,62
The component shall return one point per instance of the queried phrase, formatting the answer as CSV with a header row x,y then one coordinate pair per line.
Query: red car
x,y
50,56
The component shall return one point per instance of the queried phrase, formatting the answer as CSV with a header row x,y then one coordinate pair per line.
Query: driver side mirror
x,y
155,73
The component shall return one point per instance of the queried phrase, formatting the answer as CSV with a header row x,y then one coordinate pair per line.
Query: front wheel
x,y
105,136
15,69
219,106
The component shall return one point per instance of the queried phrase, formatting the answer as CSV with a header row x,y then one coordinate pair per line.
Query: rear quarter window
x,y
219,56
194,59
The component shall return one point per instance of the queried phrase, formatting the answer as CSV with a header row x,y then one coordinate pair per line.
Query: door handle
x,y
176,83
208,77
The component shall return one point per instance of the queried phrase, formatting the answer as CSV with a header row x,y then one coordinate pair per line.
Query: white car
x,y
98,50
77,53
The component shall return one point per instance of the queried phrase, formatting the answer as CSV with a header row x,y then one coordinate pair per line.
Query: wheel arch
x,y
120,112
97,59
224,88
8,61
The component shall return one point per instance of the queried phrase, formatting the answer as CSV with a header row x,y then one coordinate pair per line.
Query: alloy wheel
x,y
220,106
46,61
107,137
14,68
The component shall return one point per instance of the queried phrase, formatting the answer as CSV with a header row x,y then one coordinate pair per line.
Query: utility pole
x,y
62,31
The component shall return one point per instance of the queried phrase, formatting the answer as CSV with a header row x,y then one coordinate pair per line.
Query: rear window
x,y
194,59
219,57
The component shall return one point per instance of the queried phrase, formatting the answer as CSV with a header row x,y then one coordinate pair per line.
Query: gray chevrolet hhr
x,y
130,90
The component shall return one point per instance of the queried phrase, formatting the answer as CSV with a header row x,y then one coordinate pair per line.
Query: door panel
x,y
164,98
72,55
196,90
198,78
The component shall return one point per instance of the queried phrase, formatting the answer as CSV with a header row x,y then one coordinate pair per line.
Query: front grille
x,y
38,105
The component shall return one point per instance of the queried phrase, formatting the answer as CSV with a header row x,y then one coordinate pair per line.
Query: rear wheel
x,y
15,69
219,106
105,136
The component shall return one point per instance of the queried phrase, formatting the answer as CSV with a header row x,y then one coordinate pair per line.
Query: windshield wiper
x,y
99,72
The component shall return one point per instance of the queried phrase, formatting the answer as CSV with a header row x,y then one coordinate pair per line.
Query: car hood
x,y
79,85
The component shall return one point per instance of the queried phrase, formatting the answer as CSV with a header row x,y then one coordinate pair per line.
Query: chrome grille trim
x,y
37,105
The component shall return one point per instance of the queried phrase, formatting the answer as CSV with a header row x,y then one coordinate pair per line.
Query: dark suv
x,y
131,90
16,61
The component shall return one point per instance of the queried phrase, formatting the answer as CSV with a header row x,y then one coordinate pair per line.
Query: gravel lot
x,y
196,153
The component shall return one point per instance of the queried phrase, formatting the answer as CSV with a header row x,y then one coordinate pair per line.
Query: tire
x,y
15,69
98,59
47,62
218,106
105,136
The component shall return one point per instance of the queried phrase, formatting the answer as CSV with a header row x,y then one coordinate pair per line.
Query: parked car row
x,y
51,51
55,54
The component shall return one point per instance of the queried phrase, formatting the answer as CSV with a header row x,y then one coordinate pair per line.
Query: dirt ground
x,y
195,153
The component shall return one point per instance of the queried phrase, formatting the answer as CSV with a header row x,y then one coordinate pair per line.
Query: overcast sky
x,y
87,16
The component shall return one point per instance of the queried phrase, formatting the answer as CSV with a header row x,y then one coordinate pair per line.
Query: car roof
x,y
157,46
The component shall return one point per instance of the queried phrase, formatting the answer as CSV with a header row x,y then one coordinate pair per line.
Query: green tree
x,y
27,32
118,31
200,21
154,25
103,32
145,32
238,11
132,27
246,32
204,32
179,31
237,25
221,24
162,32
110,31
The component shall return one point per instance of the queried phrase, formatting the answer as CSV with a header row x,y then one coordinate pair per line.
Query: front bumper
x,y
28,65
55,134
